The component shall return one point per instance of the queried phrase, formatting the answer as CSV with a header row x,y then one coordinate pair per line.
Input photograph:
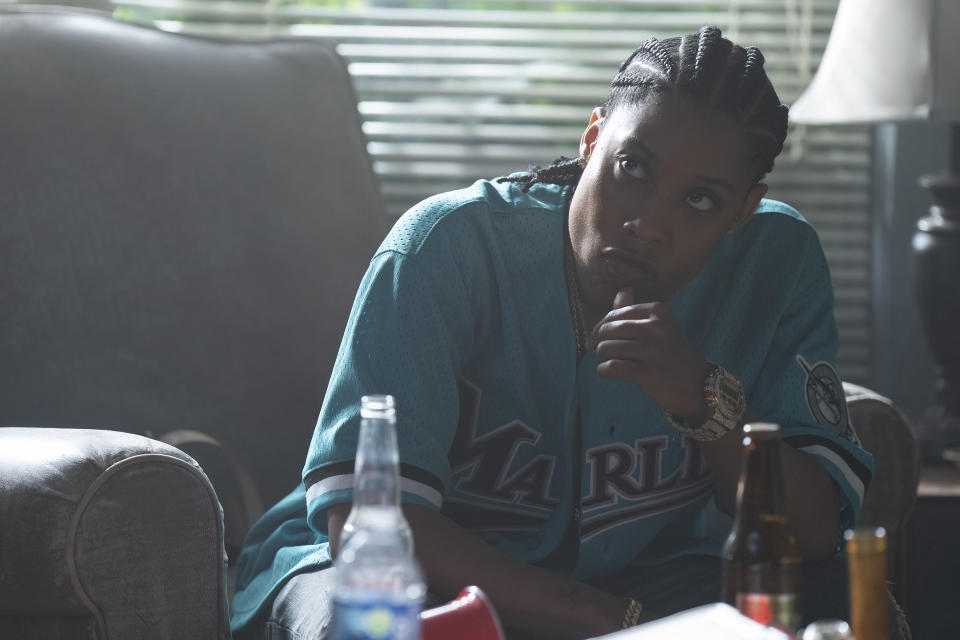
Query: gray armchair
x,y
889,500
183,225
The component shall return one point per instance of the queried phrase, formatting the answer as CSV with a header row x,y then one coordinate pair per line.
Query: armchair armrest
x,y
117,528
885,433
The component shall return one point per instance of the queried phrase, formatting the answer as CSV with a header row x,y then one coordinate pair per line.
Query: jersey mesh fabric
x,y
463,315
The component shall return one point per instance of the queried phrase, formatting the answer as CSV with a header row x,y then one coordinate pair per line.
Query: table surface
x,y
934,555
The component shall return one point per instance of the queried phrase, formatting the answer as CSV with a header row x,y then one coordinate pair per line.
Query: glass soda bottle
x,y
761,560
378,587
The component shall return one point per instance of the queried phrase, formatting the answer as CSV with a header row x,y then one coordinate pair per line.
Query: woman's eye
x,y
700,201
632,167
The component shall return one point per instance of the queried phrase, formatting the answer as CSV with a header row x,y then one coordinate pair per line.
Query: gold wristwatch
x,y
726,404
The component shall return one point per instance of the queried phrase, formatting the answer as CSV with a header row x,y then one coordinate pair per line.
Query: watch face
x,y
729,395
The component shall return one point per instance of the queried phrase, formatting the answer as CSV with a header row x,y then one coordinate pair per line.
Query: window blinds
x,y
455,90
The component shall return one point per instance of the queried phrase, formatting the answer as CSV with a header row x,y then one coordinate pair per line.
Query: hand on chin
x,y
643,344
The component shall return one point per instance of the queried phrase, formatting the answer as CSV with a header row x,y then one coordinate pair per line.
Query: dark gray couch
x,y
183,226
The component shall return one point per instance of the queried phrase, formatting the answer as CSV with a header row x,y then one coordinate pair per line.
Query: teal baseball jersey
x,y
464,317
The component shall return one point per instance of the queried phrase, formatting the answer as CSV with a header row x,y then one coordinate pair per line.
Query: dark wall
x,y
903,368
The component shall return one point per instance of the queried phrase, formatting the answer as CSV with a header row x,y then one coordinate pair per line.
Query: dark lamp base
x,y
936,246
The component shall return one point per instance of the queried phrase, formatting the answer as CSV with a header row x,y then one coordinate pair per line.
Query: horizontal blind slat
x,y
773,40
594,19
601,5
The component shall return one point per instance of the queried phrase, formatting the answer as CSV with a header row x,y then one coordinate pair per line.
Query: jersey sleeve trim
x,y
853,471
339,477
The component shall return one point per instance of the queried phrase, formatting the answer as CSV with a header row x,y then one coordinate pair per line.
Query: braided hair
x,y
710,69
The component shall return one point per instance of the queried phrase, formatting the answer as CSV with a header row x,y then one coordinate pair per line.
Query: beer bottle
x,y
869,602
761,560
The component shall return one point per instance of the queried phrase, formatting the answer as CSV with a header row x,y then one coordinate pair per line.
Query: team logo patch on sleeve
x,y
824,395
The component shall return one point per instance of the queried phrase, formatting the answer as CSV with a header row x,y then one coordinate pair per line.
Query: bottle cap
x,y
866,540
827,630
761,427
377,406
761,431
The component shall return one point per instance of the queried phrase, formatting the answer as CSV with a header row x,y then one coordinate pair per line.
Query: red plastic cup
x,y
469,617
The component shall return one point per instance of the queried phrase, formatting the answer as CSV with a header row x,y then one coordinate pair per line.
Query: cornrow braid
x,y
712,51
706,41
656,48
562,171
752,64
710,69
687,50
753,81
727,87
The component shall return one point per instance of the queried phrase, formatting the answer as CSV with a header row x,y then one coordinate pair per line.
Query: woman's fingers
x,y
622,350
624,298
640,329
641,311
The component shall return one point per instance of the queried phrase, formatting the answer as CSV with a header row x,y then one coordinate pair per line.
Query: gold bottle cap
x,y
866,540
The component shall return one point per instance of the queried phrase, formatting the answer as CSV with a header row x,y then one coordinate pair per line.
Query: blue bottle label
x,y
375,620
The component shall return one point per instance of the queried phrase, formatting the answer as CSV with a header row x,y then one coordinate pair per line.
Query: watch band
x,y
726,404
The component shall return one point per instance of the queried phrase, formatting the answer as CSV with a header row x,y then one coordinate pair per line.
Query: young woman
x,y
573,351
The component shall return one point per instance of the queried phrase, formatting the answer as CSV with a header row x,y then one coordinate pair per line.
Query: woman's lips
x,y
627,264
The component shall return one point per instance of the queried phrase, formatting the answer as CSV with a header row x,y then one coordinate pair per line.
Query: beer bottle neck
x,y
761,484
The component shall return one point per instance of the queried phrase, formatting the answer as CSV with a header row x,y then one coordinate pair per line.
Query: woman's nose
x,y
649,226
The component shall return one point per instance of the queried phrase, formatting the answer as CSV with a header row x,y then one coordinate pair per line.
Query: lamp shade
x,y
887,60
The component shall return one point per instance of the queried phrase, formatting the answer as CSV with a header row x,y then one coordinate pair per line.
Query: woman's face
x,y
664,181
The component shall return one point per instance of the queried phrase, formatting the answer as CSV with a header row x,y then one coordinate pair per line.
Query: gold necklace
x,y
573,296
